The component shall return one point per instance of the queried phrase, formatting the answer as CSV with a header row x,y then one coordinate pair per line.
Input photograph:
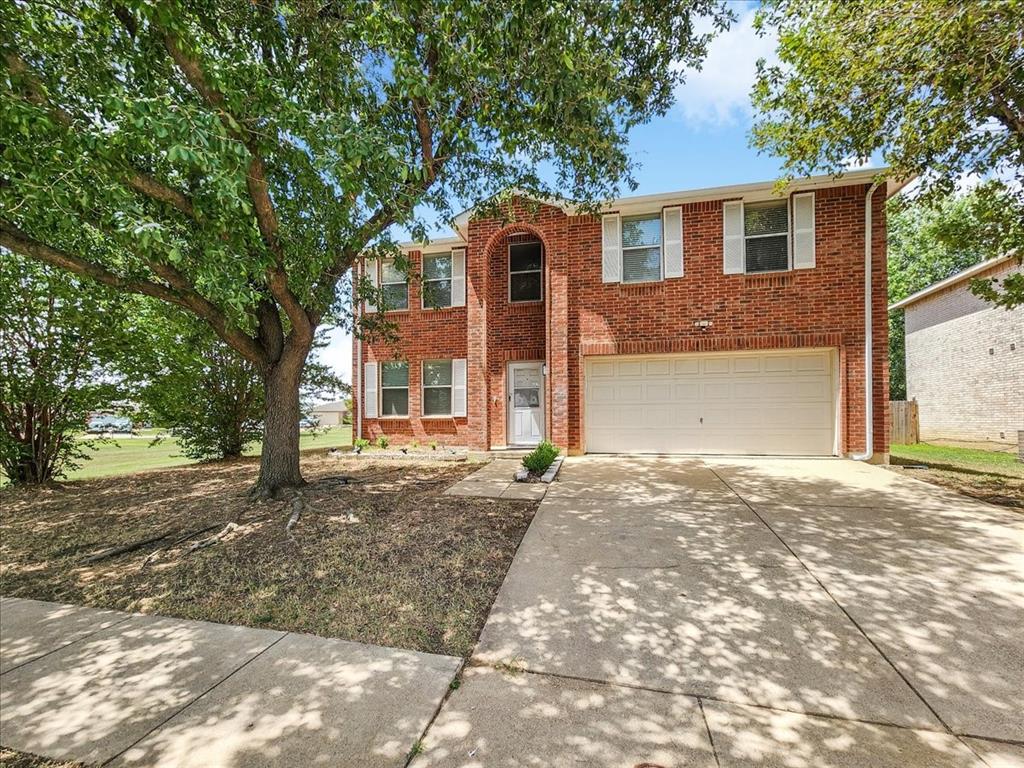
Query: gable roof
x,y
759,190
959,277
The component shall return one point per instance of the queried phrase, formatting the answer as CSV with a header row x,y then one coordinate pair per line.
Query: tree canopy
x,y
234,158
936,88
930,241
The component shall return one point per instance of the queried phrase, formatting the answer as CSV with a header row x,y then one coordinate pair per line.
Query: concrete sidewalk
x,y
106,687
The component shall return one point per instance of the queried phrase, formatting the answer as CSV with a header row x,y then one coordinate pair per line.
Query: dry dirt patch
x,y
386,559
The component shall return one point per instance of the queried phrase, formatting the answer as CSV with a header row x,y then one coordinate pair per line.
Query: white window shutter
x,y
458,277
373,275
803,231
732,245
459,387
370,390
672,249
611,249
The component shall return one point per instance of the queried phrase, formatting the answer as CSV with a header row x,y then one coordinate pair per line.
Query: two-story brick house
x,y
730,320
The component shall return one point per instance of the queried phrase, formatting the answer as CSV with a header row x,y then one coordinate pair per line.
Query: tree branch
x,y
1006,114
182,294
256,184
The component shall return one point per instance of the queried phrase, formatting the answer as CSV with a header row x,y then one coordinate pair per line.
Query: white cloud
x,y
719,94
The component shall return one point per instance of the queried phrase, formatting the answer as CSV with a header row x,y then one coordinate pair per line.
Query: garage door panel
x,y
763,403
690,367
688,391
660,391
716,365
746,365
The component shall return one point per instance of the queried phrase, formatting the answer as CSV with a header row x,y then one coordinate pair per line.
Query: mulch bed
x,y
387,559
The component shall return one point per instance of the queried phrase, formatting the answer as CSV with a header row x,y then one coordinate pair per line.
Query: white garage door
x,y
737,403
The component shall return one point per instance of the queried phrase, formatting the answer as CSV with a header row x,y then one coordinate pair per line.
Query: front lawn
x,y
123,455
388,559
994,476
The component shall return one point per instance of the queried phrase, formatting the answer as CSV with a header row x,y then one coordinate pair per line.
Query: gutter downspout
x,y
869,357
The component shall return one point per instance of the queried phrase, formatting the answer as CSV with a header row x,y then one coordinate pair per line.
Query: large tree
x,y
935,87
235,157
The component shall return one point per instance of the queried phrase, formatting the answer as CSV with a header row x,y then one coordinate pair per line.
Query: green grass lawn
x,y
969,459
125,455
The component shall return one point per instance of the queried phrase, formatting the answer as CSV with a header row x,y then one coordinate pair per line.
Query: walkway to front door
x,y
525,403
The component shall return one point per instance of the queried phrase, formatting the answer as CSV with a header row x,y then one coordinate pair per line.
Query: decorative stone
x,y
522,475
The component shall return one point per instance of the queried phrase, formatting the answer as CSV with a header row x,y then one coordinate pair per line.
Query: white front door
x,y
525,403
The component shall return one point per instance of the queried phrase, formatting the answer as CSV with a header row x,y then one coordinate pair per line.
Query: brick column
x,y
558,333
477,388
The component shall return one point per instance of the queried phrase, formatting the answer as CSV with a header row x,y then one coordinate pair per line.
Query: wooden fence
x,y
905,427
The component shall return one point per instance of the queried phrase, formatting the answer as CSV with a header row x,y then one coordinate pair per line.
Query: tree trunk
x,y
279,461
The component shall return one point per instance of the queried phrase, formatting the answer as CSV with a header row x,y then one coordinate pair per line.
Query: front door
x,y
525,403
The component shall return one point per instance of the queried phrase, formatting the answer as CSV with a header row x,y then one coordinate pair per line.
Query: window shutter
x,y
611,250
458,277
459,387
803,231
672,250
373,275
370,390
732,245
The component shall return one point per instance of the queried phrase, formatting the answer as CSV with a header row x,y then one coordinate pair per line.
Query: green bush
x,y
540,458
361,442
383,442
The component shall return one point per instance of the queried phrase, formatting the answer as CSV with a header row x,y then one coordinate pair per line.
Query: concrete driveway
x,y
749,612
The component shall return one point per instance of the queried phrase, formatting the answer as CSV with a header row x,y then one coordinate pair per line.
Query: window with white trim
x,y
766,236
525,264
394,389
437,387
437,280
394,286
641,249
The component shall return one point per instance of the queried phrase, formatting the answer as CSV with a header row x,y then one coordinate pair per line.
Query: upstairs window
x,y
394,287
525,262
641,249
437,280
766,236
394,389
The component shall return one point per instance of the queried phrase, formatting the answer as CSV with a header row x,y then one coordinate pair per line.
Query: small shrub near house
x,y
540,458
383,442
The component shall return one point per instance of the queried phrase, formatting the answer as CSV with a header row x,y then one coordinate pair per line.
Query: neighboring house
x,y
727,320
330,414
965,358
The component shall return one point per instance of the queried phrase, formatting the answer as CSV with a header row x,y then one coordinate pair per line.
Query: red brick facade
x,y
580,315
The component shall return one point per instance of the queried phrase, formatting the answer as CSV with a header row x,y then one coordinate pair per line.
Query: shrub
x,y
540,458
361,442
383,442
433,445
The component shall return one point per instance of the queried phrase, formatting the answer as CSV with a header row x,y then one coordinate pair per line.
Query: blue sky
x,y
702,142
